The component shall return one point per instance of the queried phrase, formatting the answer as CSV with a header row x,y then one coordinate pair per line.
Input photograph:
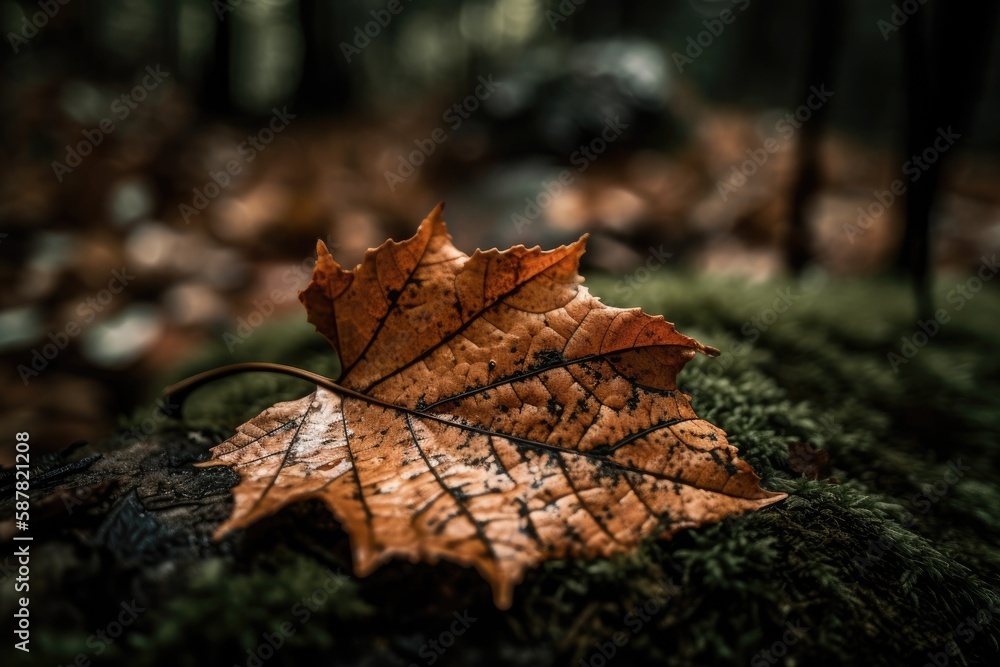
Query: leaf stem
x,y
182,389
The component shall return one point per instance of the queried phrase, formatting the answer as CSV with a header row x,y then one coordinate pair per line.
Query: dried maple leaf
x,y
490,412
811,462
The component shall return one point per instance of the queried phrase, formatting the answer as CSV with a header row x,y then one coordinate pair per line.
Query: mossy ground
x,y
886,560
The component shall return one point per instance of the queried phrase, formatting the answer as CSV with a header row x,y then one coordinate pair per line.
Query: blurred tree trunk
x,y
170,38
325,86
944,68
216,85
821,62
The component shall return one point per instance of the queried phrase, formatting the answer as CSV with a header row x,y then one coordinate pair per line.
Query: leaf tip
x,y
579,246
325,261
771,498
434,221
503,595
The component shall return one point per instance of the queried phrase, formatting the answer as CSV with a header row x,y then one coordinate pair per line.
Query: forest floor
x,y
886,552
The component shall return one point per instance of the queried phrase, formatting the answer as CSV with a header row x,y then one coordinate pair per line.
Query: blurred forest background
x,y
199,148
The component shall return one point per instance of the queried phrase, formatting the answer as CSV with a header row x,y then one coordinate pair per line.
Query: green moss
x,y
286,599
881,563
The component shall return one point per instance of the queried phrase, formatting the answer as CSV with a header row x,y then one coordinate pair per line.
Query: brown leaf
x,y
490,412
810,462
